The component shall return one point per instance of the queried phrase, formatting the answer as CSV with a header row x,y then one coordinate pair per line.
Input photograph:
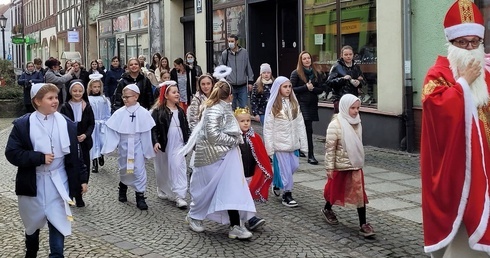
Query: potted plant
x,y
11,94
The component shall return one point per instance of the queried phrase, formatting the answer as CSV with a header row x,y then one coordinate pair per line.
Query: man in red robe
x,y
455,156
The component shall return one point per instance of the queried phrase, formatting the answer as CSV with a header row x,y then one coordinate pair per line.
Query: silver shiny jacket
x,y
219,134
195,109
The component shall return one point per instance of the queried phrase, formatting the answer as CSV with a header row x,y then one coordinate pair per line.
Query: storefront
x,y
125,35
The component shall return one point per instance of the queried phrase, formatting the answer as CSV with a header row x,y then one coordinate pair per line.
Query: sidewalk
x,y
107,228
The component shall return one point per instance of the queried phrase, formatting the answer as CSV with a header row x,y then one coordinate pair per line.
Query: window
x,y
357,29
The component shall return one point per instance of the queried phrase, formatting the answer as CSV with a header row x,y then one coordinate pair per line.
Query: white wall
x,y
7,34
200,28
174,30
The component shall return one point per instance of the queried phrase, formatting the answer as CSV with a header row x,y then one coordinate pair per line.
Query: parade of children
x,y
256,164
78,109
101,106
169,135
284,135
129,130
344,159
44,147
218,188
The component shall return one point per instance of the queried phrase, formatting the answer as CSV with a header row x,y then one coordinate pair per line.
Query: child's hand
x,y
81,137
257,118
84,188
156,147
48,158
330,174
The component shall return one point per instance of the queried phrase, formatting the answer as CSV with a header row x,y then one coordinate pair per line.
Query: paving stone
x,y
412,182
387,187
412,214
317,185
417,197
392,176
386,204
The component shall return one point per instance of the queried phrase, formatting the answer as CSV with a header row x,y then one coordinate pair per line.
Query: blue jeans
x,y
240,96
56,242
262,117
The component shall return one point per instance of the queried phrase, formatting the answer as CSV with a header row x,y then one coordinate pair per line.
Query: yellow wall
x,y
200,28
174,30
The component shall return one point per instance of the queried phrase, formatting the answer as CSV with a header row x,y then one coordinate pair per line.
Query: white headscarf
x,y
275,93
351,138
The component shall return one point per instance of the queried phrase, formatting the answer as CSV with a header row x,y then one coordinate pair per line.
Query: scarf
x,y
309,74
351,138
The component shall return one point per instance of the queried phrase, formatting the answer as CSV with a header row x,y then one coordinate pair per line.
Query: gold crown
x,y
241,111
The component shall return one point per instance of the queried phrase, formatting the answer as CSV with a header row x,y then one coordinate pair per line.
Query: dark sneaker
x,y
255,222
101,160
288,201
276,191
367,231
330,217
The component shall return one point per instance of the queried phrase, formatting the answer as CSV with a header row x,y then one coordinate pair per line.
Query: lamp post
x,y
3,24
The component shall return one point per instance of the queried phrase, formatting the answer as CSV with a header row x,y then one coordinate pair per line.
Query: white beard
x,y
459,59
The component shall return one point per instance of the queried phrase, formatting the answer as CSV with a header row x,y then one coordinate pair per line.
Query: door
x,y
262,45
288,36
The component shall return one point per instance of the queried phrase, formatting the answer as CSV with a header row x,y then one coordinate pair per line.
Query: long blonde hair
x,y
221,91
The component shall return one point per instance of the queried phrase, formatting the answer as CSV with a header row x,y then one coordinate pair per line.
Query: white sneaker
x,y
180,203
194,224
162,195
239,232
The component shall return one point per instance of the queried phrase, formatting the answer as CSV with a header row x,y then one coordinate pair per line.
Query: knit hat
x,y
265,67
463,19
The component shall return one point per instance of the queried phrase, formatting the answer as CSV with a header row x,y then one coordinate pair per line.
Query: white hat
x,y
35,88
74,83
132,87
95,76
463,19
265,67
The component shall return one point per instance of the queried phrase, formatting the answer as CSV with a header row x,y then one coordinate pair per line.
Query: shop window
x,y
144,46
357,29
227,21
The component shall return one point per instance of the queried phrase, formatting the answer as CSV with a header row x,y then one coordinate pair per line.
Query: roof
x,y
4,8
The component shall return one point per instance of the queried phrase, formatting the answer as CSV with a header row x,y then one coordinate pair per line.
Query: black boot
x,y
101,160
32,244
79,201
122,192
140,201
95,166
312,160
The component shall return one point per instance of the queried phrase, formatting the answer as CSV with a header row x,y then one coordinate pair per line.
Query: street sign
x,y
18,40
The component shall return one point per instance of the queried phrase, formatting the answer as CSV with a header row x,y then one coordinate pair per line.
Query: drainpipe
x,y
209,36
408,88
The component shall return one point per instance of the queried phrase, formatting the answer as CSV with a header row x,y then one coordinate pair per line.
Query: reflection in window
x,y
357,29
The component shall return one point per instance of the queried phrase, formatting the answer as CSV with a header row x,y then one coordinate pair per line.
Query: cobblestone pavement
x,y
108,228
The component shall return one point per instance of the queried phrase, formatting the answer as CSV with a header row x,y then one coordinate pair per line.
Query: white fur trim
x,y
464,29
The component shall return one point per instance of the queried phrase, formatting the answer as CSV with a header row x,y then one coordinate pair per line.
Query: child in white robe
x,y
129,130
169,136
44,147
101,107
218,188
284,134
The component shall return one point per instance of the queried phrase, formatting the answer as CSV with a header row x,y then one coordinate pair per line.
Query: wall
x,y
173,46
427,19
200,29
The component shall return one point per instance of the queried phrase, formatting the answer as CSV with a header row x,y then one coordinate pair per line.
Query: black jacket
x,y
191,81
20,152
85,126
341,86
111,78
162,117
248,159
83,77
146,93
308,100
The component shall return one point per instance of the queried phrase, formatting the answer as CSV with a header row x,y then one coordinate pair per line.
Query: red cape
x,y
262,178
455,162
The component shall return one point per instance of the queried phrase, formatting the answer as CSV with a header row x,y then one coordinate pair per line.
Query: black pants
x,y
309,137
234,218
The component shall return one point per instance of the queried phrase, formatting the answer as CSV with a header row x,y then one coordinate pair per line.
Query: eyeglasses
x,y
463,43
127,97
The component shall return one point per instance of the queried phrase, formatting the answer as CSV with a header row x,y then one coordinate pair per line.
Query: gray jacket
x,y
241,73
220,133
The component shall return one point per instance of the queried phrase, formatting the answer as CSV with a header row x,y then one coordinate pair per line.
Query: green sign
x,y
18,40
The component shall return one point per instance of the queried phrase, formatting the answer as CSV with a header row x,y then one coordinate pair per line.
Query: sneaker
x,y
239,232
276,191
366,230
180,203
255,222
330,216
194,224
288,201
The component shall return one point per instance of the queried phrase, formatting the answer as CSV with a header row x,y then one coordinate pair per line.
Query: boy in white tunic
x,y
129,130
49,169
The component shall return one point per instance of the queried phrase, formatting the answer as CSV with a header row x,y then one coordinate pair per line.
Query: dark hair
x,y
67,63
193,55
233,36
38,61
153,59
160,64
51,62
179,61
97,63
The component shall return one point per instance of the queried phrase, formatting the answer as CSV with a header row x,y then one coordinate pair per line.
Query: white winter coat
x,y
282,133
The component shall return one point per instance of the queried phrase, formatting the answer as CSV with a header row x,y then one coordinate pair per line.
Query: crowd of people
x,y
150,111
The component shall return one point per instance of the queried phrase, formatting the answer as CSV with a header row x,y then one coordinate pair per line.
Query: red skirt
x,y
346,188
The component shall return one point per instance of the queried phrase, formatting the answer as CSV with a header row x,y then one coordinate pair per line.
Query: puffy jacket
x,y
308,100
341,86
26,80
283,134
220,133
163,117
110,81
146,93
258,101
336,157
195,109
